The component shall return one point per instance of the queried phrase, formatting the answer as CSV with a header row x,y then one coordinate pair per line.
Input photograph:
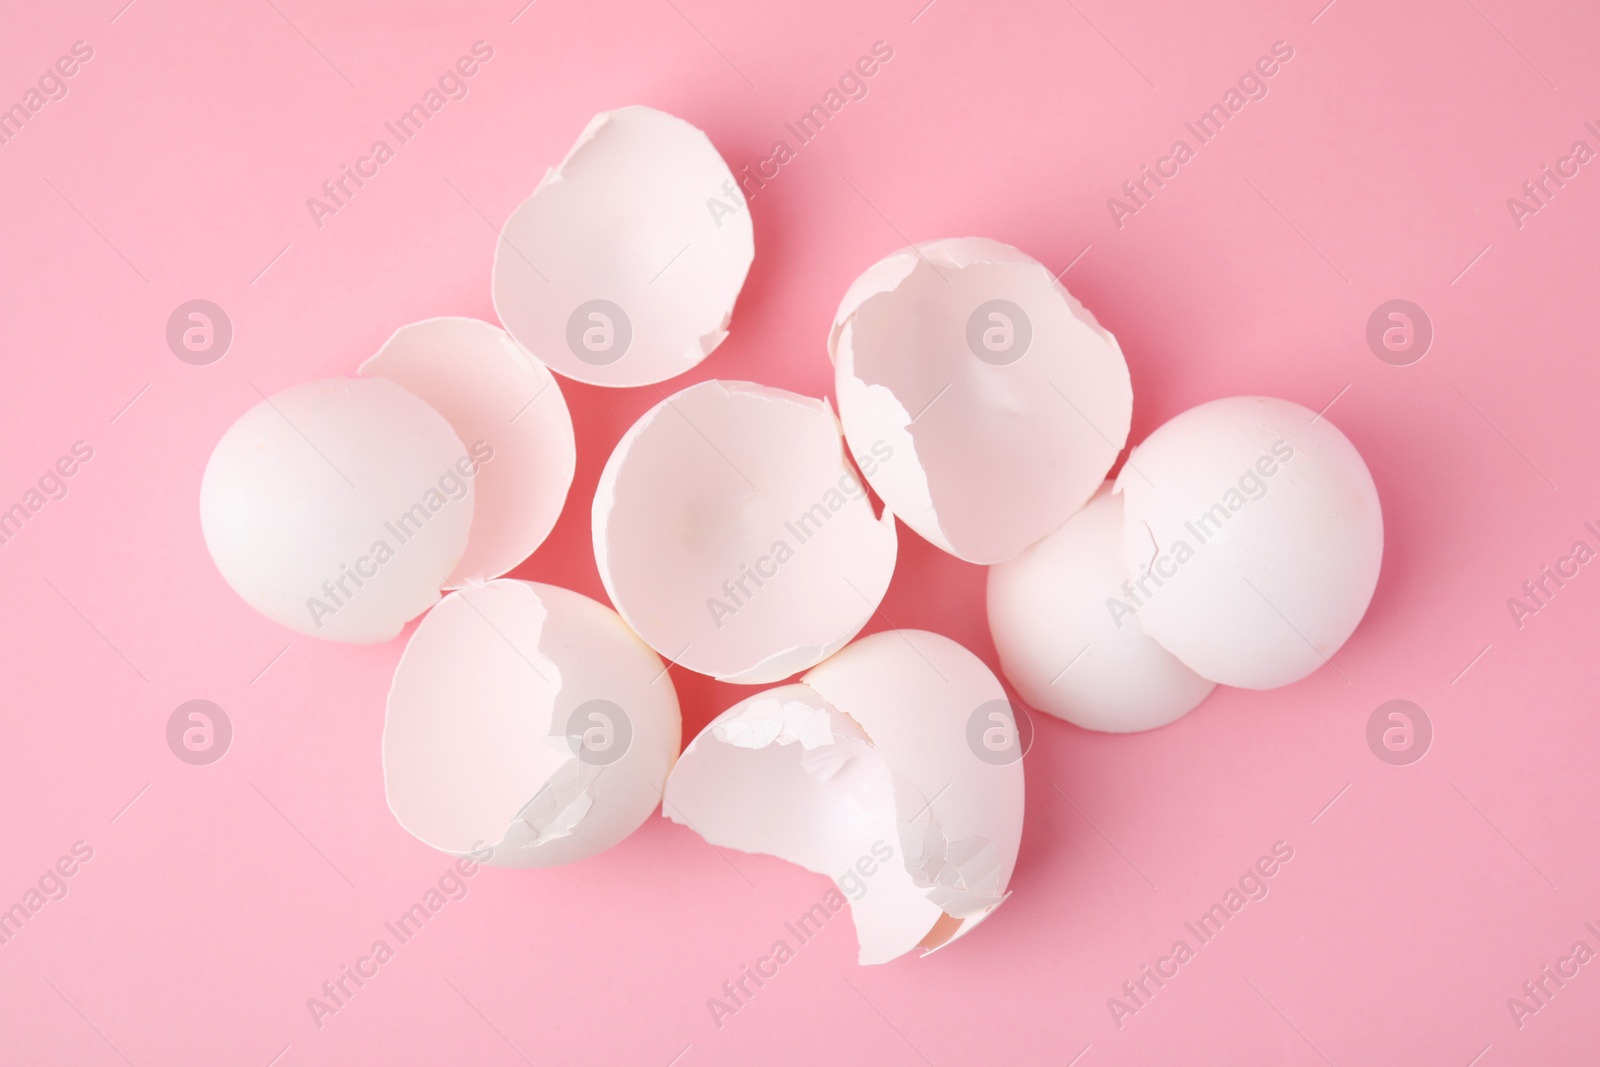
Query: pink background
x,y
1377,168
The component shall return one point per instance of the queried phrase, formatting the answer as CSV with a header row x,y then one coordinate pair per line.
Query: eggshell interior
x,y
782,773
914,693
623,266
989,450
1257,530
338,508
509,410
734,536
479,751
863,772
1064,642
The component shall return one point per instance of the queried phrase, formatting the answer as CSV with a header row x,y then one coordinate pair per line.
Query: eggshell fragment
x,y
529,720
1254,531
623,266
510,411
338,508
866,771
1064,644
1002,401
733,535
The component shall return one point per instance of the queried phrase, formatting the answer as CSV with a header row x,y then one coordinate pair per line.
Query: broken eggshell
x,y
511,410
868,770
733,534
1253,529
1064,645
623,266
1002,399
338,508
529,719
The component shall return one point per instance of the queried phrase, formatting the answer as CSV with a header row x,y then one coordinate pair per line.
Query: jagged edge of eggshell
x,y
916,896
905,784
887,275
545,666
705,342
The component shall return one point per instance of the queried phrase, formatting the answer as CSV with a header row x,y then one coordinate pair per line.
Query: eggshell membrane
x,y
308,483
986,459
1061,646
868,751
1276,578
644,213
697,498
476,754
494,394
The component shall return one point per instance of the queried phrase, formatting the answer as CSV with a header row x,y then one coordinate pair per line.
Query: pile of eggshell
x,y
983,405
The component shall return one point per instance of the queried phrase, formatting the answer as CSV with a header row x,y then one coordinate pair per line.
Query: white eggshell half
x,y
1256,529
1065,641
734,536
998,421
864,772
529,721
510,412
338,508
623,266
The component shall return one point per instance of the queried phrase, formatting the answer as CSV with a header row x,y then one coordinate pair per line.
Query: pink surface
x,y
219,898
